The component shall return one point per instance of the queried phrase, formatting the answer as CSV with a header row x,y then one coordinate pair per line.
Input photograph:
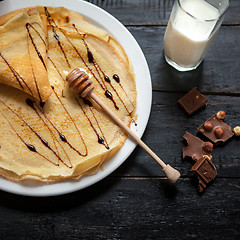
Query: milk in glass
x,y
189,33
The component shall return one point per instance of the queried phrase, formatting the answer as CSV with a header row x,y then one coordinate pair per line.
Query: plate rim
x,y
118,31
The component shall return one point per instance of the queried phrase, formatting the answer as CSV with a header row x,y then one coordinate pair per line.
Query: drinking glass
x,y
191,28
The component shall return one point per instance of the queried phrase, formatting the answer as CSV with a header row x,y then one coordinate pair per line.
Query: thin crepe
x,y
67,137
23,54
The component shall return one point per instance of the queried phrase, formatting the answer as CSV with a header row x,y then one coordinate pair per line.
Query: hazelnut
x,y
207,126
218,132
208,147
236,130
221,115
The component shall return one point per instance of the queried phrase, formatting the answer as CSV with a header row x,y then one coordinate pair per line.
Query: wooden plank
x,y
153,12
167,125
126,209
219,72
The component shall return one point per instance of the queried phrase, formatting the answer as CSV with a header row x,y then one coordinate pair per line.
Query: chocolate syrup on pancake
x,y
30,103
101,140
28,25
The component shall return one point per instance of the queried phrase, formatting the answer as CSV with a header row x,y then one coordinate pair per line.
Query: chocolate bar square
x,y
192,101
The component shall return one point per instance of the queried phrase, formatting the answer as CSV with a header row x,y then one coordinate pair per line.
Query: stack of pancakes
x,y
47,133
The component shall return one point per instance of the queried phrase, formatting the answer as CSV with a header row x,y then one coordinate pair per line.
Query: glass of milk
x,y
192,26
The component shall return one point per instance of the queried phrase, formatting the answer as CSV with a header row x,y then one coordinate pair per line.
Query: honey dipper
x,y
80,83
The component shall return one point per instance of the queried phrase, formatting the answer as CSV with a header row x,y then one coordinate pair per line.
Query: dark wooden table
x,y
136,201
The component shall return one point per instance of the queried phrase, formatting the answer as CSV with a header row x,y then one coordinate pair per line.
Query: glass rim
x,y
200,19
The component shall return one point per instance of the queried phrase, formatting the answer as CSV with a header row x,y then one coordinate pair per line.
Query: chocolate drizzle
x,y
31,147
54,65
101,140
16,74
45,143
101,74
90,56
33,72
116,78
28,145
31,103
61,136
107,79
107,146
42,104
28,25
70,117
96,66
36,23
86,101
109,95
56,36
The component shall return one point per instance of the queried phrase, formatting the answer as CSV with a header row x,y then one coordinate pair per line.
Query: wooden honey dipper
x,y
80,83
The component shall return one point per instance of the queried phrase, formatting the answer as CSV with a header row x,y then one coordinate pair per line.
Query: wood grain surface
x,y
136,201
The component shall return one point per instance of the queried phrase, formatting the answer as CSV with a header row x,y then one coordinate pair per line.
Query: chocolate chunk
x,y
192,101
220,131
205,170
196,147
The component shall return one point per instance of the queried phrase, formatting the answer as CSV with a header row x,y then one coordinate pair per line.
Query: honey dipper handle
x,y
171,173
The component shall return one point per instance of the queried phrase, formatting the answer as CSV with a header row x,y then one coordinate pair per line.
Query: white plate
x,y
144,95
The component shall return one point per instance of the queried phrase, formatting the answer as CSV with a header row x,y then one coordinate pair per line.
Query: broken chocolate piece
x,y
192,101
196,147
220,131
205,170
